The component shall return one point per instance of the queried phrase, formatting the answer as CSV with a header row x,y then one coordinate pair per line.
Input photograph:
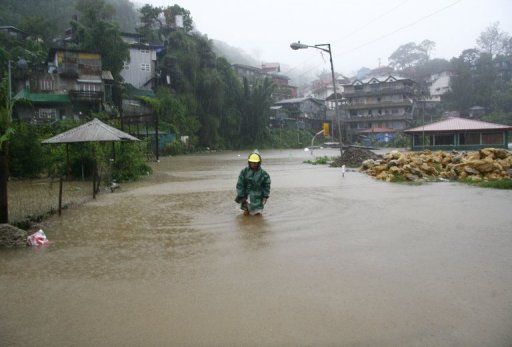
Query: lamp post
x,y
296,46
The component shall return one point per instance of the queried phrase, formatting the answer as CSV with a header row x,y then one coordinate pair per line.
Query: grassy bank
x,y
496,184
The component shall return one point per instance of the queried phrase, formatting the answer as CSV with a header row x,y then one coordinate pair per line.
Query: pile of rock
x,y
11,236
354,157
486,164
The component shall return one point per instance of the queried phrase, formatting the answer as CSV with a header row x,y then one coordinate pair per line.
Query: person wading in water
x,y
253,186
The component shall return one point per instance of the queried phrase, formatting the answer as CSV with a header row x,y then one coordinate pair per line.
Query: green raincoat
x,y
254,185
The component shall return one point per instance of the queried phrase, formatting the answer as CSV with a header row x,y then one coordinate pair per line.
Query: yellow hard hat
x,y
254,158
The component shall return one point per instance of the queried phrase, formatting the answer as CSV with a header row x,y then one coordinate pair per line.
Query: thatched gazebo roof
x,y
93,131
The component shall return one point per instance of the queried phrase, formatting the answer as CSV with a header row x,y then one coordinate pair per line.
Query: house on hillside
x,y
439,85
71,83
379,102
140,70
282,88
299,113
322,88
251,73
460,134
271,67
13,32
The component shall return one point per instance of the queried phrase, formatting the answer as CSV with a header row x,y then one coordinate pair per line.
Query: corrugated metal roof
x,y
458,124
297,100
40,98
93,131
132,92
378,130
380,79
107,75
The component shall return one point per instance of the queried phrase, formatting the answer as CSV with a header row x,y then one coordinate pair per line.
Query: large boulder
x,y
11,236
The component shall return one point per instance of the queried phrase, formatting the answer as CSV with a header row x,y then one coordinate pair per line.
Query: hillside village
x,y
162,188
375,106
162,82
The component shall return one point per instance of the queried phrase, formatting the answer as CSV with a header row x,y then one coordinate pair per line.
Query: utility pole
x,y
298,45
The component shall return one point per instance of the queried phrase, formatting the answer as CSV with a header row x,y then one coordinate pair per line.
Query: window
x,y
145,67
444,139
144,51
126,66
46,85
89,87
47,113
492,138
469,139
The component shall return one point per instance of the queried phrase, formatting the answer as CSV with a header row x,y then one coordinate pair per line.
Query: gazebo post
x,y
68,167
156,136
93,131
94,173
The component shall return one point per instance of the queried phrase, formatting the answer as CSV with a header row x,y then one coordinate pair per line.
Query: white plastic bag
x,y
38,239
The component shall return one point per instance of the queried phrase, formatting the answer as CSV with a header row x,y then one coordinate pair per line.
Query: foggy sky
x,y
360,31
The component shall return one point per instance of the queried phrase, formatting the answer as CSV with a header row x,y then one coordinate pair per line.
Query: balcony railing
x,y
384,117
377,104
86,95
379,91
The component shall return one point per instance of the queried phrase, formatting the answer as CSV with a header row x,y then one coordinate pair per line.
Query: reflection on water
x,y
254,230
332,260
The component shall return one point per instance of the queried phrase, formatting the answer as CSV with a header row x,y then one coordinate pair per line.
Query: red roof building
x,y
459,133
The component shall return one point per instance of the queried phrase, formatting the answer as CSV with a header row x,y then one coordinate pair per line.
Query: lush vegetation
x,y
199,95
322,160
204,100
497,184
28,158
482,75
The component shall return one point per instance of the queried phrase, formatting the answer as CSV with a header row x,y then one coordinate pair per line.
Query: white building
x,y
140,71
439,85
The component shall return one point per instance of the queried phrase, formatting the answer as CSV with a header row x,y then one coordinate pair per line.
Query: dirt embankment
x,y
486,164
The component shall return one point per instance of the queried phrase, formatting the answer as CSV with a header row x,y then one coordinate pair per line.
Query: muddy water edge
x,y
334,260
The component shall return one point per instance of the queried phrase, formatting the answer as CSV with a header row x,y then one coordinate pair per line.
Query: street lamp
x,y
296,46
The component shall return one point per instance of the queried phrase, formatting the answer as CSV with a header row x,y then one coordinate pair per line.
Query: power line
x,y
394,31
371,21
402,28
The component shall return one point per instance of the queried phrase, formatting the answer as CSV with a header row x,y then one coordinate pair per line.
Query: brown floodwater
x,y
170,260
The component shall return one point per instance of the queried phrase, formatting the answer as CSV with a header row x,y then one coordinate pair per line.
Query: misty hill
x,y
56,14
234,55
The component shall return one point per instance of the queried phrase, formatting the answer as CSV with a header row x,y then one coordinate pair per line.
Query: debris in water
x,y
38,239
354,157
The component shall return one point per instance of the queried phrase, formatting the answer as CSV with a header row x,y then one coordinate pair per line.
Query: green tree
x,y
38,27
203,97
411,54
256,108
95,31
171,12
149,21
493,40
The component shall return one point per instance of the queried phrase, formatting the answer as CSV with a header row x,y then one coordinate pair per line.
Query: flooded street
x,y
340,261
